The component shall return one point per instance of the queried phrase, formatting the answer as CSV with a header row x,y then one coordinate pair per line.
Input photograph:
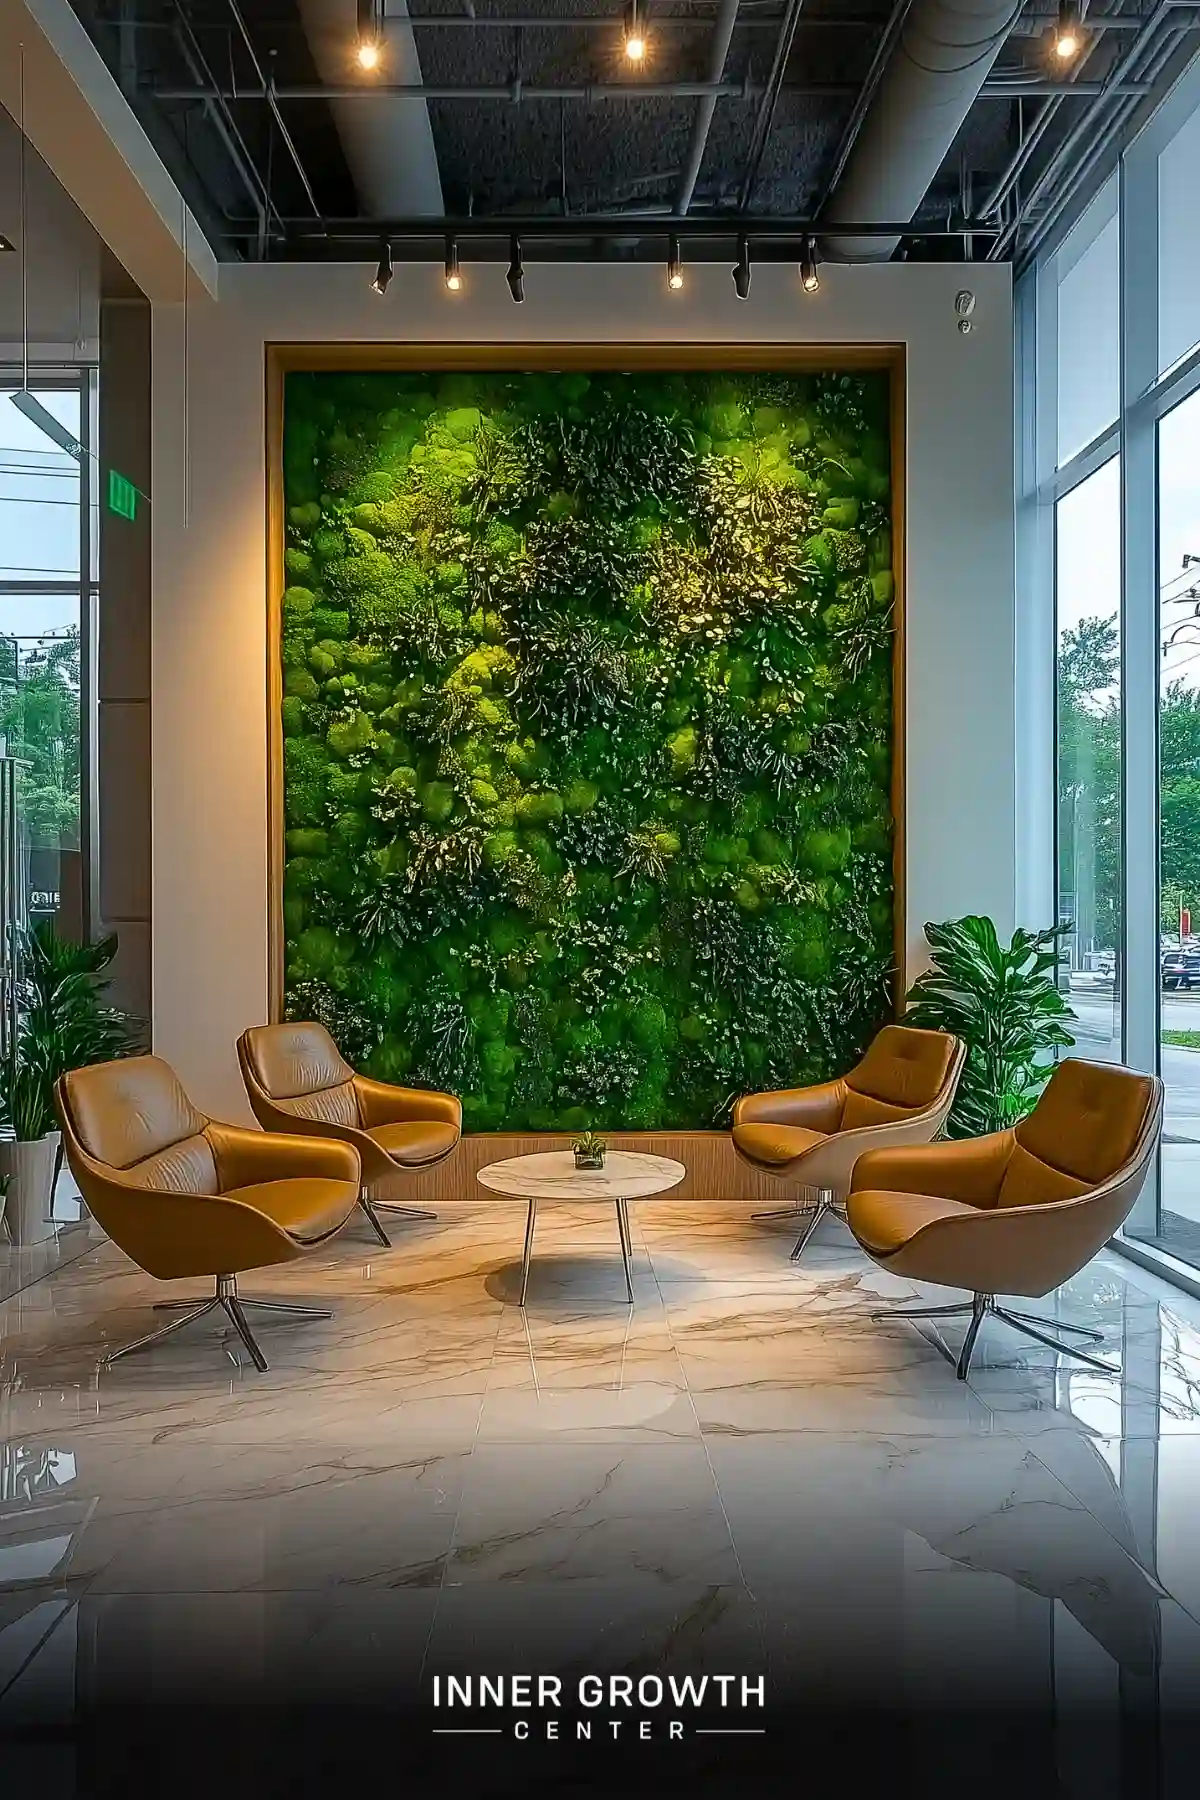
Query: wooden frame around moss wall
x,y
783,359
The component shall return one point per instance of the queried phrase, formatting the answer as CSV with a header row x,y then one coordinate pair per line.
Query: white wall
x,y
210,694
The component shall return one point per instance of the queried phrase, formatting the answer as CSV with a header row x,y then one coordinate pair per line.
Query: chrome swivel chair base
x,y
813,1210
982,1306
372,1209
230,1302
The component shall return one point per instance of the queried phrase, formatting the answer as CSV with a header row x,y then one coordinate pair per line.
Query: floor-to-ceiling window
x,y
47,589
1178,1224
1087,566
1110,489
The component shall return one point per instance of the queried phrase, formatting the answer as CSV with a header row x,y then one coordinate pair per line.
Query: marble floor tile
x,y
636,1412
235,1517
743,1470
627,1622
224,1654
582,1511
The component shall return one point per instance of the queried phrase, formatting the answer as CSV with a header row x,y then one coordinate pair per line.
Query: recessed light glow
x,y
1068,39
368,54
674,263
810,280
635,33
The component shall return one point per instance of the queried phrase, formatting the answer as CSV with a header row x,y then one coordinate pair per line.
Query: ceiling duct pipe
x,y
942,59
388,144
722,33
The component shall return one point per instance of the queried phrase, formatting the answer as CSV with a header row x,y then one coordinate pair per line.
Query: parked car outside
x,y
1181,970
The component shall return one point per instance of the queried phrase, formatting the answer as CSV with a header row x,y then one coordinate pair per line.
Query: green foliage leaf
x,y
586,753
1003,1001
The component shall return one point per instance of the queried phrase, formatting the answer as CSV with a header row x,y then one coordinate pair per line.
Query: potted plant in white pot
x,y
62,1024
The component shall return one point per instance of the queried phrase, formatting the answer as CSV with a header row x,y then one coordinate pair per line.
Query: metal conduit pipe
x,y
722,32
942,58
1159,55
1130,63
1033,137
388,147
765,117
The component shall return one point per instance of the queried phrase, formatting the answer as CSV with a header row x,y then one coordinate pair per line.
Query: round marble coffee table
x,y
551,1175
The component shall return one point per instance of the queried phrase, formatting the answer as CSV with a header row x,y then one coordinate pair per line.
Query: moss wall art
x,y
587,728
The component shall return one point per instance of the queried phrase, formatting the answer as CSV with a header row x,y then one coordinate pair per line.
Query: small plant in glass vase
x,y
590,1151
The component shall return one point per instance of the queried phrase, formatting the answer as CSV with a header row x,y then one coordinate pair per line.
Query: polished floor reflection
x,y
740,1473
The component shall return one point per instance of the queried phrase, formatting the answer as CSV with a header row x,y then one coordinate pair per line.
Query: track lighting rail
x,y
415,233
997,87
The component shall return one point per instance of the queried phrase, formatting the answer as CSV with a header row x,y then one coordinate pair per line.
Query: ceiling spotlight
x,y
674,263
370,33
453,272
1068,37
741,271
635,34
516,271
810,280
384,272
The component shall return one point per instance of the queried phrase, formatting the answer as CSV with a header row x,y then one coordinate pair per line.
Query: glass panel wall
x,y
46,596
1110,522
1088,599
1178,246
1089,327
1178,1224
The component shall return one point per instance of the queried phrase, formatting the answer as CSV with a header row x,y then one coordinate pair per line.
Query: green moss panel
x,y
587,727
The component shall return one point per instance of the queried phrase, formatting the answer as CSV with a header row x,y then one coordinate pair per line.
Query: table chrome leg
x,y
626,1244
528,1249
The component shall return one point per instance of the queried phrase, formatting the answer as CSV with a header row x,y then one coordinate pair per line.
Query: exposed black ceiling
x,y
272,180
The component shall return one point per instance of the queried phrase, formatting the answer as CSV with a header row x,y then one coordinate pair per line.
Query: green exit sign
x,y
122,495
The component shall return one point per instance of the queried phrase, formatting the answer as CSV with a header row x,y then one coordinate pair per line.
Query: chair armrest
x,y
967,1169
174,1235
246,1157
380,1103
817,1108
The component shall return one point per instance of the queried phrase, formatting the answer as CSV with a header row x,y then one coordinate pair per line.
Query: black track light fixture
x,y
385,271
454,278
516,271
674,264
741,269
810,280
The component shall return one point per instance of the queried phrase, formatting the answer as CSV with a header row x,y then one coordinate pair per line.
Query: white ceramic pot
x,y
29,1202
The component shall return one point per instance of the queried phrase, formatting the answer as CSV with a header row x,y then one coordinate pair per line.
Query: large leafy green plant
x,y
63,1024
1003,1001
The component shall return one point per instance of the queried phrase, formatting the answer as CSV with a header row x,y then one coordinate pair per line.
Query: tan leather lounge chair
x,y
1016,1212
183,1195
811,1138
298,1081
